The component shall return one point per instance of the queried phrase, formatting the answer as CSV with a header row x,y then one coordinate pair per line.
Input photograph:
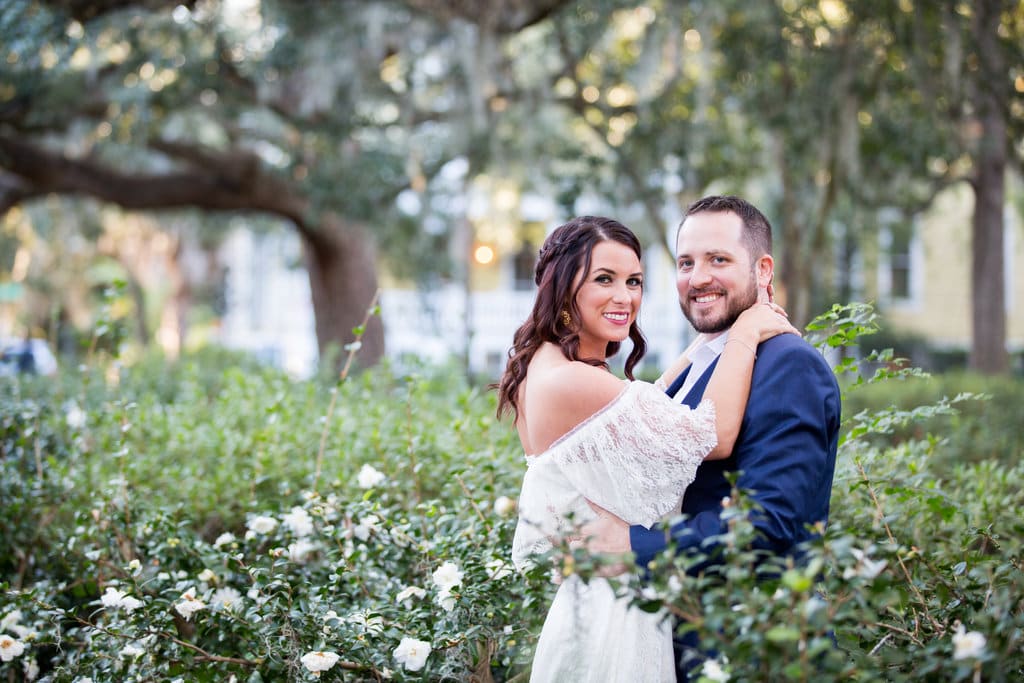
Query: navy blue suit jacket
x,y
785,452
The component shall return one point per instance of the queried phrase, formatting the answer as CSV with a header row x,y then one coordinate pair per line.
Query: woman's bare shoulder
x,y
575,384
561,397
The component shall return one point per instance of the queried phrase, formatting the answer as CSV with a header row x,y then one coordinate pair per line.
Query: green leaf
x,y
782,634
797,581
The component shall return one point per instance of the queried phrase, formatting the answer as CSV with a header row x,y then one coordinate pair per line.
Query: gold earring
x,y
566,318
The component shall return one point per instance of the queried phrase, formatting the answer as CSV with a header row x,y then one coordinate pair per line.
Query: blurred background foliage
x,y
127,127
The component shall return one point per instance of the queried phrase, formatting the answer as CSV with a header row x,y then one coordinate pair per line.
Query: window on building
x,y
523,263
900,262
899,265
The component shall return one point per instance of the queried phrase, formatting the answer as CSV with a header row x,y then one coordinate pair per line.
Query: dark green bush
x,y
988,428
217,481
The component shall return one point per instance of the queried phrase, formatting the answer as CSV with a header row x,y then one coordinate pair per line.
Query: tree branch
x,y
85,10
498,16
234,181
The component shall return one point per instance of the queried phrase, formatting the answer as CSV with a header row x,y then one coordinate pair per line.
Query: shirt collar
x,y
710,350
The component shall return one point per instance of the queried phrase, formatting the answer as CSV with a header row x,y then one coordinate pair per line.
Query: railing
x,y
434,325
269,312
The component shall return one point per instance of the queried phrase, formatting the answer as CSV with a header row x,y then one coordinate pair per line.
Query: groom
x,y
786,450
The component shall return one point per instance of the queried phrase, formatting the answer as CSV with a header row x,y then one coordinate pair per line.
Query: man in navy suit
x,y
786,448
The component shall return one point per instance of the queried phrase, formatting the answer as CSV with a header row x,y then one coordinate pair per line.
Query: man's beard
x,y
737,303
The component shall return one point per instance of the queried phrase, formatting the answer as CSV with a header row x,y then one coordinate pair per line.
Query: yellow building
x,y
920,276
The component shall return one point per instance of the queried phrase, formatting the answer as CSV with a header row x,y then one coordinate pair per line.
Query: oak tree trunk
x,y
792,280
340,256
341,263
988,314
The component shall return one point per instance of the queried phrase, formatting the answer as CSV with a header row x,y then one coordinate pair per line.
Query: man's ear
x,y
765,271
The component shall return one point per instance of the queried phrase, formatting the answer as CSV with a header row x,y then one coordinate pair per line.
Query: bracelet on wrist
x,y
744,345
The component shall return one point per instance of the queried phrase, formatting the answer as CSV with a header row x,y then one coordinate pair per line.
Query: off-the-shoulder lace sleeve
x,y
636,456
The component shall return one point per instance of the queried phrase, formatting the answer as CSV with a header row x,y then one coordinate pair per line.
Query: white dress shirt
x,y
703,356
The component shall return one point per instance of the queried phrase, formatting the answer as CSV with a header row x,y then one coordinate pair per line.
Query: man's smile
x,y
707,298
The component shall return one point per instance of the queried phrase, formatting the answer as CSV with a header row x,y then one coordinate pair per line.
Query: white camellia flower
x,y
300,550
75,416
299,521
412,653
115,599
31,670
207,576
446,601
967,645
369,477
262,524
135,567
227,599
12,622
319,661
130,604
112,597
866,567
447,576
408,593
224,539
713,671
504,506
10,647
10,619
189,604
366,526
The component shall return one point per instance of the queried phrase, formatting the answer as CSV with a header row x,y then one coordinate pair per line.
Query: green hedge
x,y
258,520
988,428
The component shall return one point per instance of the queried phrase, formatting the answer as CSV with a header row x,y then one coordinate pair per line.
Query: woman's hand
x,y
760,322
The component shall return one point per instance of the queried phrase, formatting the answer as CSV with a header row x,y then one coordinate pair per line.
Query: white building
x,y
268,311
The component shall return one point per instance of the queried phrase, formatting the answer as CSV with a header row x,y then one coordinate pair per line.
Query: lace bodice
x,y
635,457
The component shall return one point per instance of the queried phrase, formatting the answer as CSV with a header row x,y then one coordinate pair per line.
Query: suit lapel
x,y
677,383
696,392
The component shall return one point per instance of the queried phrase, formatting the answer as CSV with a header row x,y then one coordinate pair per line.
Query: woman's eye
x,y
603,278
635,282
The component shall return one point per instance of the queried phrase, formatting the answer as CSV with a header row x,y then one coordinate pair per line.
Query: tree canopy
x,y
322,114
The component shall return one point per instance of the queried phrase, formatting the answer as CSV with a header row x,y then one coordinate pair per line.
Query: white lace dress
x,y
635,459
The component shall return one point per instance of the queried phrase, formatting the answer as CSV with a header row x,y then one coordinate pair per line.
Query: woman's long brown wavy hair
x,y
566,252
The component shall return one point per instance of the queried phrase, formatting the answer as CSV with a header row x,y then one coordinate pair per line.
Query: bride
x,y
623,445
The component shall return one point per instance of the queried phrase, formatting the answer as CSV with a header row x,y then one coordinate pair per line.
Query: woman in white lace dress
x,y
623,445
